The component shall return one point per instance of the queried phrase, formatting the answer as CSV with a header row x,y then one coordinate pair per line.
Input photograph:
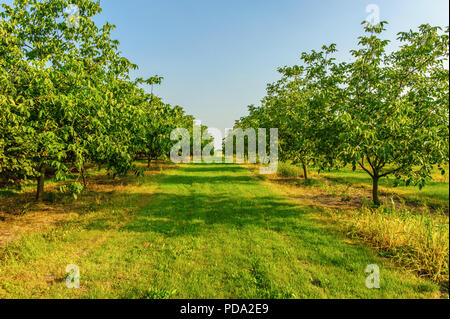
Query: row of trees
x,y
66,97
384,112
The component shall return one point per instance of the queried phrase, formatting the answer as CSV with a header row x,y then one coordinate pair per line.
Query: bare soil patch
x,y
327,194
20,214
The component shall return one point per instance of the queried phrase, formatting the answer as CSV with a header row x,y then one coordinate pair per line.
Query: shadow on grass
x,y
194,214
179,215
6,192
175,215
226,168
227,179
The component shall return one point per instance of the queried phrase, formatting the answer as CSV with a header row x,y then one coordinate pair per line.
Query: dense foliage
x,y
385,112
67,99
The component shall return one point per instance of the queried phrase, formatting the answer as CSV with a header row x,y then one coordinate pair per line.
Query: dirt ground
x,y
20,214
335,197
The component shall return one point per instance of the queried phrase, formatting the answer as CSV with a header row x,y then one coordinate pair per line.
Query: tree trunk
x,y
305,171
375,198
149,161
40,185
83,175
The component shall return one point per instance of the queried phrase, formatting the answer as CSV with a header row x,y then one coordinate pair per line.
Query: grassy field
x,y
410,227
197,231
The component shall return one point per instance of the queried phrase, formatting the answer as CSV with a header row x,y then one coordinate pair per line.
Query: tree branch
x,y
361,164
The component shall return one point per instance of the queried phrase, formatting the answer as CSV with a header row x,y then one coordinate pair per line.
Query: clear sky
x,y
218,55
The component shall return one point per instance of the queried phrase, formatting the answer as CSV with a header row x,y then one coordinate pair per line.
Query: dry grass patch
x,y
325,192
20,214
414,236
419,242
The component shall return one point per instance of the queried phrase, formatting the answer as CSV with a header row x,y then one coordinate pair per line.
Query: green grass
x,y
199,231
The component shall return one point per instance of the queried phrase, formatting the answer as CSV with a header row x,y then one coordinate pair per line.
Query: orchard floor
x,y
198,231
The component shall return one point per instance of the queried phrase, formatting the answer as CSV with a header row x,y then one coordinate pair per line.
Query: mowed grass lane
x,y
206,231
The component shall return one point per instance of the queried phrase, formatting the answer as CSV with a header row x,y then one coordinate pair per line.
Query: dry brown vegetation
x,y
20,214
322,191
415,236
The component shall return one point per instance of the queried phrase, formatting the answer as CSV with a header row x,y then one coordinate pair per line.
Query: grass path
x,y
204,231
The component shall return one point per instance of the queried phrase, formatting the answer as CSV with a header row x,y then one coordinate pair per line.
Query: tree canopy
x,y
385,112
67,97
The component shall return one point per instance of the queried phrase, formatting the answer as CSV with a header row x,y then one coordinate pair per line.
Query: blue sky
x,y
218,55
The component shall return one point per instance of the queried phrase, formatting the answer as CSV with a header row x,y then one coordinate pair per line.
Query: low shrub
x,y
289,170
419,241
